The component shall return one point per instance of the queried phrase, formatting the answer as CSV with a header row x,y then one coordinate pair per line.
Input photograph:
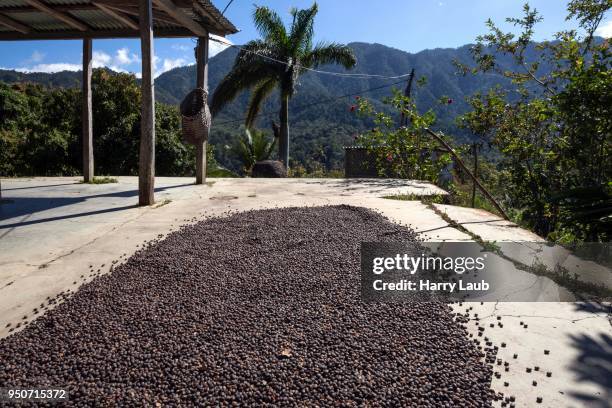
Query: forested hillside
x,y
321,121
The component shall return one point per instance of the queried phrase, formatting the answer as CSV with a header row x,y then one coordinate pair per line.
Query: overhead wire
x,y
309,105
226,7
318,71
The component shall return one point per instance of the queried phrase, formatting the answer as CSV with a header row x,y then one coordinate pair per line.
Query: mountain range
x,y
320,116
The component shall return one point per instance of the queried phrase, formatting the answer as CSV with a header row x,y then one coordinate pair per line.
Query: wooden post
x,y
469,173
146,165
404,119
87,116
475,152
201,82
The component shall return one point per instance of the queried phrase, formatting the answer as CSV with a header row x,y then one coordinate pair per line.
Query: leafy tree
x,y
555,139
404,152
276,61
116,122
40,131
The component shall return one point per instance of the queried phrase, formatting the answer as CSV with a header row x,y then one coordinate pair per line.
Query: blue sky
x,y
410,25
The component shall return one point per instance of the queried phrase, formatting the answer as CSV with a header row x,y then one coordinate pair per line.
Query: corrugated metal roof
x,y
39,21
12,3
84,11
97,19
66,2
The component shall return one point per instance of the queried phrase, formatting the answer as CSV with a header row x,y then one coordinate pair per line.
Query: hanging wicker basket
x,y
196,116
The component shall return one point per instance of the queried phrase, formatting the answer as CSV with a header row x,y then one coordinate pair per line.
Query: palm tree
x,y
276,61
254,146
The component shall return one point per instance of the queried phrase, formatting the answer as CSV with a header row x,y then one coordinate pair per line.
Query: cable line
x,y
226,7
318,71
309,105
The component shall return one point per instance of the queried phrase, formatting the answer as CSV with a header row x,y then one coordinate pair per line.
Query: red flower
x,y
389,157
353,107
450,101
358,97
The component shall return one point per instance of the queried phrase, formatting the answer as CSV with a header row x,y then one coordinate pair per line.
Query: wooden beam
x,y
71,21
59,7
134,11
117,16
146,166
201,82
209,20
173,11
94,34
88,157
15,25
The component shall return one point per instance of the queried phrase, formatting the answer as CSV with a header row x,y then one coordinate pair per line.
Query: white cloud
x,y
605,30
167,64
123,57
181,47
50,68
100,59
215,47
172,63
36,57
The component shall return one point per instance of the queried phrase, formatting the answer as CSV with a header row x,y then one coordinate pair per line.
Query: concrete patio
x,y
56,232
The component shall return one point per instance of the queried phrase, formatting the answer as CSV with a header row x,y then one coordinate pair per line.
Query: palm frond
x,y
302,28
269,25
330,53
261,92
262,147
241,77
256,51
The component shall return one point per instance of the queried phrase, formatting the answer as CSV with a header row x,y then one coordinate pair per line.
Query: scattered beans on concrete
x,y
255,308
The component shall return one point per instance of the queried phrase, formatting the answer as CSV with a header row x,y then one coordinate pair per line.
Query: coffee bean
x,y
209,316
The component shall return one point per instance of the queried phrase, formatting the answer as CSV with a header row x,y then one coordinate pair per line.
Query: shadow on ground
x,y
594,363
26,206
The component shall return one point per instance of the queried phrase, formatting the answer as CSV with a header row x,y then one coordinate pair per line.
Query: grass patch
x,y
162,203
101,180
426,199
220,172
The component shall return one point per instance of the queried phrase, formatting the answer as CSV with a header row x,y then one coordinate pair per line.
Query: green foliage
x,y
314,170
555,140
254,146
40,131
37,131
318,123
102,180
404,152
296,52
